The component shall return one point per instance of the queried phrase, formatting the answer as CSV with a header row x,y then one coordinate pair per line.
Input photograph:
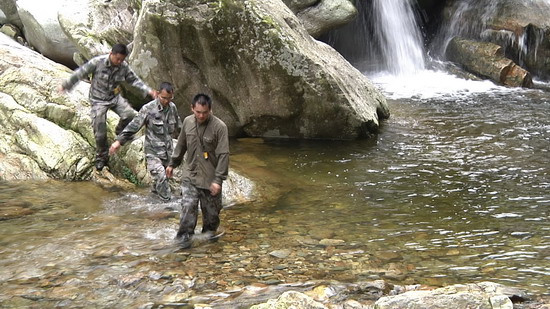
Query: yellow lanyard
x,y
200,137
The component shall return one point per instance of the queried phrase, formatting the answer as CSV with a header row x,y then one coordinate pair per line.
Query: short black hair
x,y
166,86
120,49
202,99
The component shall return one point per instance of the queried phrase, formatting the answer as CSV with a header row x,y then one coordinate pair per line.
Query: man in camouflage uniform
x,y
108,72
162,122
205,143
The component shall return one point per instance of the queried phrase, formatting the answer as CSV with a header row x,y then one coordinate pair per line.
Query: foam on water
x,y
427,84
164,232
142,201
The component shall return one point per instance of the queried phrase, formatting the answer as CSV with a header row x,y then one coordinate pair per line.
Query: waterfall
x,y
457,26
385,42
398,33
385,37
399,48
464,21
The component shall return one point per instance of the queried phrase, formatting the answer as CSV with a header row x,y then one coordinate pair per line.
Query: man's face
x,y
165,97
116,59
201,112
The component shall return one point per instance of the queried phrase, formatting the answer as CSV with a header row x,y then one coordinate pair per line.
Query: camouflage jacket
x,y
161,125
105,78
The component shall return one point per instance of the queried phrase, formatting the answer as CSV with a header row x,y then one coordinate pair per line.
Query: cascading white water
x,y
524,45
399,35
402,52
455,26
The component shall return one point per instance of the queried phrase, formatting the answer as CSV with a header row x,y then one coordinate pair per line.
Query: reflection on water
x,y
457,188
453,190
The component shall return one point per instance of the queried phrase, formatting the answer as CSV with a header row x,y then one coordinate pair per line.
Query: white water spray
x,y
399,35
403,53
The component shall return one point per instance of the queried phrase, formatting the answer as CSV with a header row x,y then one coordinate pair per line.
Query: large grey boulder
x,y
42,31
95,25
483,295
9,9
523,28
43,133
322,16
48,135
3,17
267,75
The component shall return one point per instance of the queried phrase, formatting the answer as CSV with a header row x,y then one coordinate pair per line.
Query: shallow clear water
x,y
458,187
455,189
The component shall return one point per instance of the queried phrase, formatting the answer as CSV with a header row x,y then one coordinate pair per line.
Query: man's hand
x,y
153,93
169,171
114,148
215,189
60,89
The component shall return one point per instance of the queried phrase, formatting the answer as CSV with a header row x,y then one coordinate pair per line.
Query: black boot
x,y
184,241
99,165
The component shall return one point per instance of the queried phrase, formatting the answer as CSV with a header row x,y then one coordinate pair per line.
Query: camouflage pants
x,y
99,122
210,207
157,169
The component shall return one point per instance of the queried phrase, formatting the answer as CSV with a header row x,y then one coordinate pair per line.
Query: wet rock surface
x,y
301,82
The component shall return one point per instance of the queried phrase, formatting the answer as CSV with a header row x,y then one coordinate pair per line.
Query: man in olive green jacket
x,y
204,137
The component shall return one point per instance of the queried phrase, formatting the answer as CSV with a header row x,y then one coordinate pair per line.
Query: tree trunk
x,y
487,60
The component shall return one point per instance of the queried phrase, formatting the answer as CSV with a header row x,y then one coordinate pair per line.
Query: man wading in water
x,y
108,72
161,120
204,137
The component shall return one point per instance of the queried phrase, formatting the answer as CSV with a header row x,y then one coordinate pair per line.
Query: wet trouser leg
x,y
99,117
99,123
157,169
124,111
189,209
210,207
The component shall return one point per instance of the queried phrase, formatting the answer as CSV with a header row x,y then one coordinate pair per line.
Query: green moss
x,y
220,5
216,5
130,176
138,5
268,20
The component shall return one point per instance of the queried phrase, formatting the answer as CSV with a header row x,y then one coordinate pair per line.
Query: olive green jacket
x,y
207,149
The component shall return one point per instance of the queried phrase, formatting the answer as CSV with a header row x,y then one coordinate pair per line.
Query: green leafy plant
x,y
130,176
